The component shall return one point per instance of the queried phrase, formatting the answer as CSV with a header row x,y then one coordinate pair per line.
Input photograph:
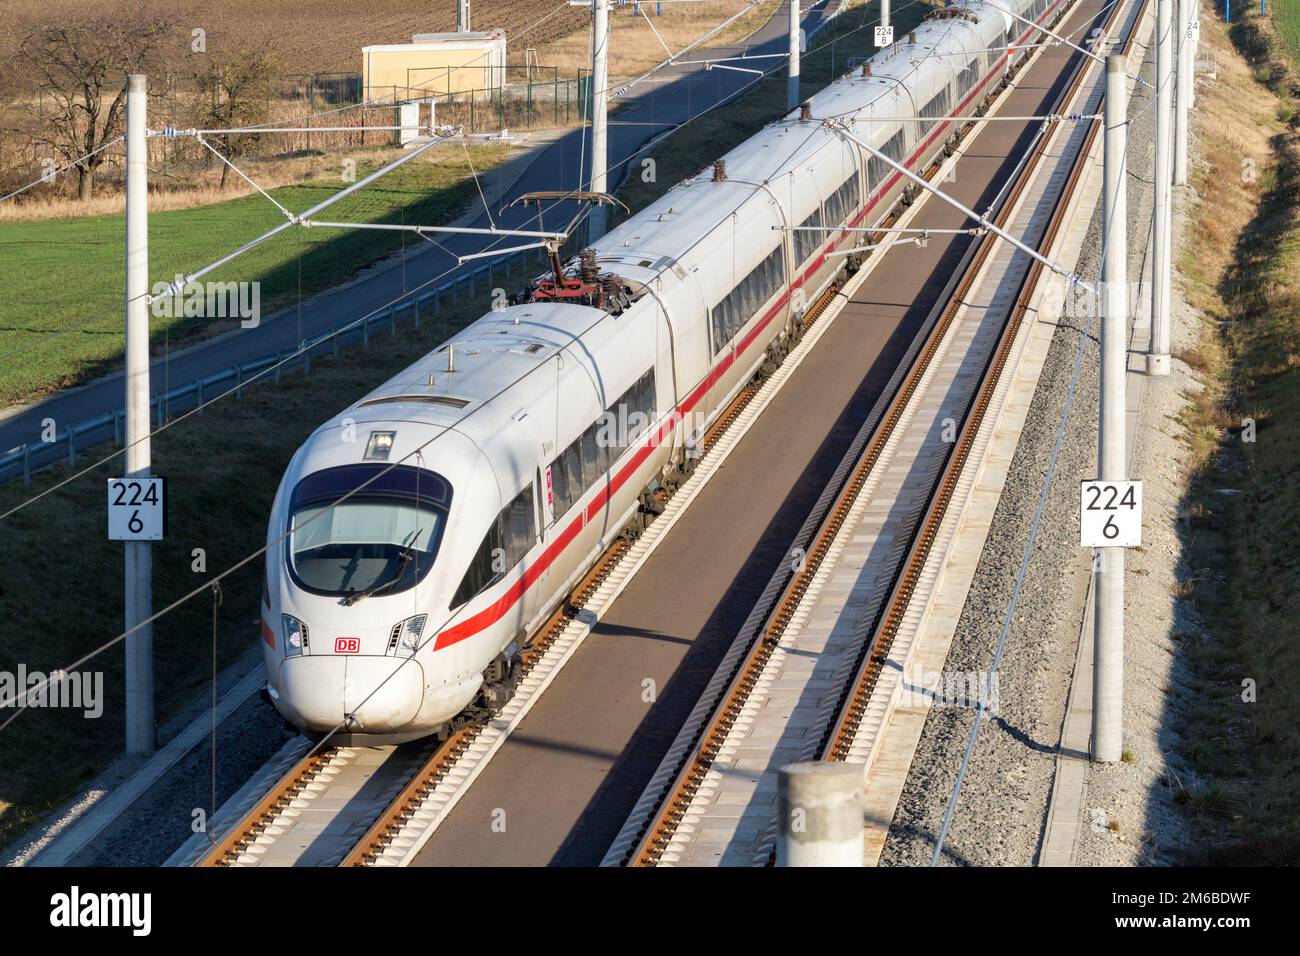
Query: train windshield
x,y
366,530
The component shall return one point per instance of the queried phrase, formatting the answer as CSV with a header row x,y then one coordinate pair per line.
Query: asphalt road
x,y
674,96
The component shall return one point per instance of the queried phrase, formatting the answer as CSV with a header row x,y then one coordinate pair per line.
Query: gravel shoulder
x,y
1002,811
147,831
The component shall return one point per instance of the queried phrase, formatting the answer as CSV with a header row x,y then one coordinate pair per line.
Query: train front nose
x,y
364,694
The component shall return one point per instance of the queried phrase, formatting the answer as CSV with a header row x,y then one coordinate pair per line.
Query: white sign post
x,y
137,509
884,36
1110,514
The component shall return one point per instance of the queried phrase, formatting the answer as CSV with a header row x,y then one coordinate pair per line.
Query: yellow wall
x,y
428,71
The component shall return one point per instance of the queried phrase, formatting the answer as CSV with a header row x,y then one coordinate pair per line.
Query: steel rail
x,y
843,731
252,824
673,806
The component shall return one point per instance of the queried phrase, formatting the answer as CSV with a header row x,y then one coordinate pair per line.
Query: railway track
x,y
716,742
839,743
420,784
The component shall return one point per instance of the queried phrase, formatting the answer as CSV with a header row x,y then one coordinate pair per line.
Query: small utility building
x,y
434,64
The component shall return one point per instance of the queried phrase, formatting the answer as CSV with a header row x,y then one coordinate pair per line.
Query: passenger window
x,y
509,538
593,458
572,458
805,243
583,463
741,304
480,574
520,529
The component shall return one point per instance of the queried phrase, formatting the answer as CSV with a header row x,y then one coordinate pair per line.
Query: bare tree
x,y
234,92
80,68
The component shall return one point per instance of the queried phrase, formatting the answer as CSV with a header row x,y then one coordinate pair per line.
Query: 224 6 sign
x,y
137,509
1110,514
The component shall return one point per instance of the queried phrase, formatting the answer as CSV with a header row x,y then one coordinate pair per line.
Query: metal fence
x,y
521,97
527,97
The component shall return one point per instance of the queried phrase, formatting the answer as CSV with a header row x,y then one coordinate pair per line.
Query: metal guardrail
x,y
24,460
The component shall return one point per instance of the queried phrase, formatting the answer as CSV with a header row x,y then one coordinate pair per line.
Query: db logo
x,y
347,645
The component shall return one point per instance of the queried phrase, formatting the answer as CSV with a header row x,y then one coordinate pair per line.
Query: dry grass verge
x,y
1240,730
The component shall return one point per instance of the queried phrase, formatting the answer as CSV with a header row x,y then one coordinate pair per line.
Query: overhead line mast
x,y
792,84
599,113
1158,356
138,568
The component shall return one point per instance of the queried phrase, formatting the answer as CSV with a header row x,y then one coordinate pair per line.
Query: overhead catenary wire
x,y
49,177
295,354
217,599
984,221
479,186
241,174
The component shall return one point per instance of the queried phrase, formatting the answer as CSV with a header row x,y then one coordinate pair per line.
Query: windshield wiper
x,y
403,557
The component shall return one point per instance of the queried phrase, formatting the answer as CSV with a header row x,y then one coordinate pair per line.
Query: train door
x,y
538,474
721,320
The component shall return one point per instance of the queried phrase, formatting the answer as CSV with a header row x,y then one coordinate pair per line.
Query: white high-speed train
x,y
420,535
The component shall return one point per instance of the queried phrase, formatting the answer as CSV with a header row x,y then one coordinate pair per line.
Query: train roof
x,y
470,368
666,230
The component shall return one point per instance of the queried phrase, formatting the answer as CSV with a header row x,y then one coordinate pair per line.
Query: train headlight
x,y
295,635
379,446
405,639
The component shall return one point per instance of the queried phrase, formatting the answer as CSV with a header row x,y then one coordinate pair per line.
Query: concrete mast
x,y
138,576
1158,358
1182,89
1108,617
792,84
820,808
599,113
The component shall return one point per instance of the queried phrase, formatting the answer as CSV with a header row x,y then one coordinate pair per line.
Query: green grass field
x,y
1286,20
61,319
